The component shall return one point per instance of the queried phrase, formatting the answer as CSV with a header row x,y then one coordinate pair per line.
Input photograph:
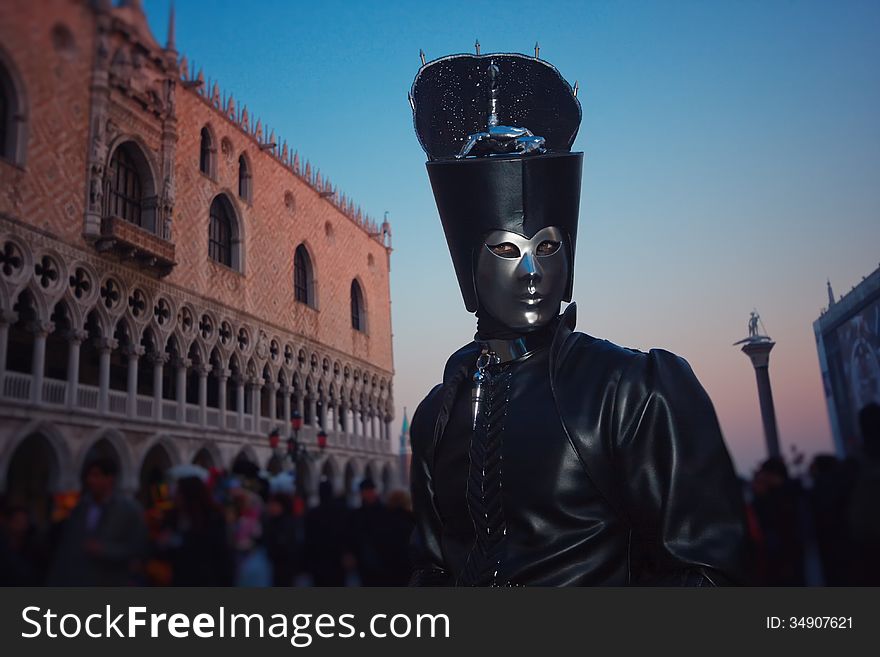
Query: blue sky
x,y
732,162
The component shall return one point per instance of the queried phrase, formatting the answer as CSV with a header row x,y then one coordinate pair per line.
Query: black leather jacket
x,y
606,466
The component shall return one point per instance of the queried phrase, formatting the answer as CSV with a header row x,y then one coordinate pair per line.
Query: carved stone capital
x,y
184,363
134,351
77,336
159,358
106,345
42,329
8,316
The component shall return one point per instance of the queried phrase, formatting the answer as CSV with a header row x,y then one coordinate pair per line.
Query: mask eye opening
x,y
548,247
504,250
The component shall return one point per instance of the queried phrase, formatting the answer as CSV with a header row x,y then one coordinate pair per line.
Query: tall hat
x,y
498,130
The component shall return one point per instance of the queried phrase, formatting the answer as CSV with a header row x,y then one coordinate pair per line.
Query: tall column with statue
x,y
757,347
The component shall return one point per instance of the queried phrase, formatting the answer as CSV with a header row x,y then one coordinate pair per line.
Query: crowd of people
x,y
213,528
209,528
822,527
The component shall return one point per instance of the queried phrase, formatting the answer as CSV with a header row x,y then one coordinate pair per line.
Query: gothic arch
x,y
305,275
15,124
166,442
359,306
65,478
246,451
208,151
224,208
127,477
210,447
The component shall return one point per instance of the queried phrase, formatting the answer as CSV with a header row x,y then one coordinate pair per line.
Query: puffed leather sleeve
x,y
680,489
428,566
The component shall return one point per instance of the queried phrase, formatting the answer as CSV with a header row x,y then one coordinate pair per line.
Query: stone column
x,y
273,403
38,359
759,353
256,385
313,411
322,417
300,404
203,370
285,390
105,347
343,417
222,376
239,400
159,359
75,339
134,352
180,367
7,319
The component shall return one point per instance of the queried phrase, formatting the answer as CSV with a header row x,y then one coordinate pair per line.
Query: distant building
x,y
848,342
174,281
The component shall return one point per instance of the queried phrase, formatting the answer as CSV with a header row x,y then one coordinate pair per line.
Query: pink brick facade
x,y
83,80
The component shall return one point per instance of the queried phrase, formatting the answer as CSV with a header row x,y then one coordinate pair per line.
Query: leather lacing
x,y
484,487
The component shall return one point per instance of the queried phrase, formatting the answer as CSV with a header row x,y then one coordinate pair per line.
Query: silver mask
x,y
520,282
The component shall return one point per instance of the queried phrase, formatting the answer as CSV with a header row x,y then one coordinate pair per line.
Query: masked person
x,y
547,456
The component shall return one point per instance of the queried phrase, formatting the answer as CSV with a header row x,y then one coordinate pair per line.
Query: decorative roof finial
x,y
477,46
169,45
830,294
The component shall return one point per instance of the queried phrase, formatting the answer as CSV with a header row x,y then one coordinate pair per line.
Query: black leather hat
x,y
457,101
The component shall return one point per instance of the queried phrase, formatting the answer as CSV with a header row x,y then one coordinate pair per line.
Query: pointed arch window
x,y
303,277
206,152
130,191
126,189
244,178
13,112
358,311
5,102
224,242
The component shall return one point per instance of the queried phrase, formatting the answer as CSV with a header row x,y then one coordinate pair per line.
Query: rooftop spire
x,y
830,294
170,41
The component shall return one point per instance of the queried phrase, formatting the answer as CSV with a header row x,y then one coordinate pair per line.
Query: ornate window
x,y
303,277
130,190
206,152
126,190
5,112
223,234
244,179
13,112
358,312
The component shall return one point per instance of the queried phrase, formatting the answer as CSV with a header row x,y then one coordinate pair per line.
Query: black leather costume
x,y
609,469
566,460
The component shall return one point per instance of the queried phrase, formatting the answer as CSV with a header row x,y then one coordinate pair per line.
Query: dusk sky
x,y
732,162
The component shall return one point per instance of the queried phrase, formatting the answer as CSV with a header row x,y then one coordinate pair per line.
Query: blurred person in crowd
x,y
863,517
828,497
252,563
370,525
23,550
104,538
777,503
327,539
397,551
195,539
282,539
